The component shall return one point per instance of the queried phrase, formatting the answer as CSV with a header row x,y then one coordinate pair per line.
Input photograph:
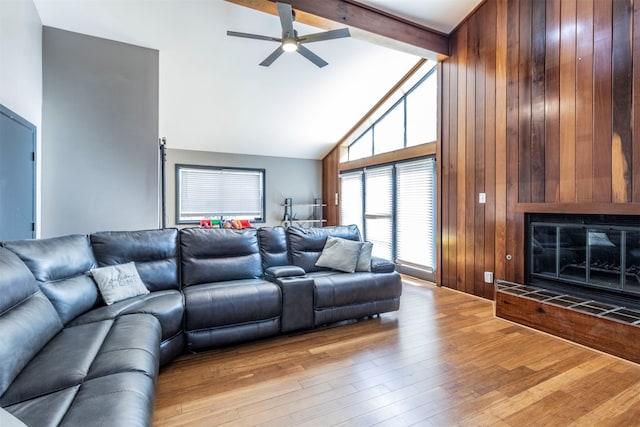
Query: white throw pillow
x,y
340,254
119,282
364,260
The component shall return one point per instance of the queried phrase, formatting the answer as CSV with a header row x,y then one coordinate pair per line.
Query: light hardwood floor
x,y
442,360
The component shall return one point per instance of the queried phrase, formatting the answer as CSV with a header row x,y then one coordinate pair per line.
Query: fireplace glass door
x,y
588,255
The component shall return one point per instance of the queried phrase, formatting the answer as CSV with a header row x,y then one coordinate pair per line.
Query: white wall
x,y
299,179
21,70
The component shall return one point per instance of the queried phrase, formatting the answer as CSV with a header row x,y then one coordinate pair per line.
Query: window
x,y
422,112
351,210
409,117
362,147
389,131
378,210
398,205
210,192
416,207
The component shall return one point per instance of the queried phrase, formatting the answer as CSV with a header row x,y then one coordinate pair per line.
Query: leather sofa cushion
x,y
306,244
155,253
167,306
61,265
123,399
342,289
80,353
219,254
273,246
227,303
27,318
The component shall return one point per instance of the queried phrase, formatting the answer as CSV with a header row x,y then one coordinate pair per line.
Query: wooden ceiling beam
x,y
365,23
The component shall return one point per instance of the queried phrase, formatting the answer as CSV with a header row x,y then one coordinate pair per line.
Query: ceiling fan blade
x,y
286,18
253,36
311,56
274,55
326,35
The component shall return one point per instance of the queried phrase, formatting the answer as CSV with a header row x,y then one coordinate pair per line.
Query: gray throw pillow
x,y
340,254
8,420
119,282
364,260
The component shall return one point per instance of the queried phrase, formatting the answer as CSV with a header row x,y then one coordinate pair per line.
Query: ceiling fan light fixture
x,y
289,45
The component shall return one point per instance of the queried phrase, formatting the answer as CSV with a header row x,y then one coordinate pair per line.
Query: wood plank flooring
x,y
442,360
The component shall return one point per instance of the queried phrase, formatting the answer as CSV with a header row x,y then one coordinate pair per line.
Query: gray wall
x,y
284,177
99,135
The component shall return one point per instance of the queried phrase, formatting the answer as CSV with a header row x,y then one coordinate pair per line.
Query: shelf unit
x,y
313,213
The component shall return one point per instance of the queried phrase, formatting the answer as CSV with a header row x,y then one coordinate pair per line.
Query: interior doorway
x,y
17,176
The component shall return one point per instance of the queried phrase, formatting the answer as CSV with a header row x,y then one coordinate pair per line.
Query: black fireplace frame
x,y
582,289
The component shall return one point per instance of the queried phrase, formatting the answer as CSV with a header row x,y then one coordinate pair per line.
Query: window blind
x,y
351,202
415,212
204,192
379,210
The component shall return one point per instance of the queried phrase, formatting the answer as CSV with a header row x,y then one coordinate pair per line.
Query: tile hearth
x,y
619,313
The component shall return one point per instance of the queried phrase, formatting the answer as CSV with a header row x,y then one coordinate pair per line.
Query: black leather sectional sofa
x,y
68,359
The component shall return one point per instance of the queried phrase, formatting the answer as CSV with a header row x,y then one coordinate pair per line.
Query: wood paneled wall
x,y
331,186
540,110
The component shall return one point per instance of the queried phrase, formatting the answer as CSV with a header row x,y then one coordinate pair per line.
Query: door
x,y
17,176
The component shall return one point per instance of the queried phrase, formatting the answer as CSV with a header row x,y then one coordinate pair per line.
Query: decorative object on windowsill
x,y
225,223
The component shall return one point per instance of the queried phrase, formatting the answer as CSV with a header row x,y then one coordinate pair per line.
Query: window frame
x,y
178,189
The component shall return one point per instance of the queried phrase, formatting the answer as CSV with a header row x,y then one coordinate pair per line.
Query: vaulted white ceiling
x,y
213,94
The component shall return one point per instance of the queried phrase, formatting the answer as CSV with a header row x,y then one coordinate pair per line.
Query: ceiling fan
x,y
290,41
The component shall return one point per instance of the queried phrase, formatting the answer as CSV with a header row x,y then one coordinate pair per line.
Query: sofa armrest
x,y
280,271
297,302
381,265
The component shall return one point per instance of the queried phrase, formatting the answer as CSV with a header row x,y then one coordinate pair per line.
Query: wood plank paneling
x,y
512,125
584,101
538,40
488,53
524,101
460,165
500,197
331,186
567,100
470,151
562,133
602,41
621,144
552,103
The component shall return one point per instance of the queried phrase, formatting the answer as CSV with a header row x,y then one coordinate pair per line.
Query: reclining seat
x,y
226,299
100,373
343,296
155,254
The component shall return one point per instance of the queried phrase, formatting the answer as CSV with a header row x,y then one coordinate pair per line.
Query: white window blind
x,y
415,212
351,199
379,210
203,192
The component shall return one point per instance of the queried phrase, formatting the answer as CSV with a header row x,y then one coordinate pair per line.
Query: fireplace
x,y
590,256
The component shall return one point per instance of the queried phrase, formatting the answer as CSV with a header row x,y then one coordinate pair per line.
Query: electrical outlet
x,y
482,198
488,277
